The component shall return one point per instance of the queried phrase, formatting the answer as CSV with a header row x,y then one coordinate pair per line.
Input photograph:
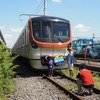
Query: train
x,y
93,47
2,40
43,36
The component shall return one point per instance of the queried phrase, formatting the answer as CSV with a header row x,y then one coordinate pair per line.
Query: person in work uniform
x,y
70,61
85,79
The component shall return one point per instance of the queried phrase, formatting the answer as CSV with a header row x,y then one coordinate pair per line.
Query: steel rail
x,y
95,90
90,67
72,95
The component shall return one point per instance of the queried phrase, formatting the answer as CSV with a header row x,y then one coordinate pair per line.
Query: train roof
x,y
49,18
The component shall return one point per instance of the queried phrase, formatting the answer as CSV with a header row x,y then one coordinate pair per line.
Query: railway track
x,y
88,59
96,92
38,88
31,85
81,56
61,81
70,94
93,66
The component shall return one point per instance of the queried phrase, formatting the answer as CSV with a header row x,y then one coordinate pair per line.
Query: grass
x,y
96,77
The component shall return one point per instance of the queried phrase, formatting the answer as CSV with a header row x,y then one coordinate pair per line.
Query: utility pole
x,y
44,7
93,36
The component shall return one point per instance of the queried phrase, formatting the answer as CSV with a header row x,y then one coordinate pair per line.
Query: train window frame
x,y
25,38
46,25
50,38
36,29
22,39
58,31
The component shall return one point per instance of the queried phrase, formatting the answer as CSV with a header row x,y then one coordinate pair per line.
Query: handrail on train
x,y
28,15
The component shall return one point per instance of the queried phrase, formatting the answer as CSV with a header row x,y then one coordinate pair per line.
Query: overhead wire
x,y
39,7
35,12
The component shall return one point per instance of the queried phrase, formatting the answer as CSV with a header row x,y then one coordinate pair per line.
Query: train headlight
x,y
34,45
60,43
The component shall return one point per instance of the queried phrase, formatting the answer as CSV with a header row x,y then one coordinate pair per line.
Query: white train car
x,y
43,36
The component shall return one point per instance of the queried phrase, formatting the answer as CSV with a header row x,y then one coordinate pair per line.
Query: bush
x,y
6,72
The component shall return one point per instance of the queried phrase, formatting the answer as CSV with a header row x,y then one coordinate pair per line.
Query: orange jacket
x,y
86,77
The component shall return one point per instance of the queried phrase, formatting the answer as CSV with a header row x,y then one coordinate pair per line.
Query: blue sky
x,y
84,16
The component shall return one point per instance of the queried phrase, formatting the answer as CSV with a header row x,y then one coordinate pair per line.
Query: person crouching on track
x,y
70,61
85,79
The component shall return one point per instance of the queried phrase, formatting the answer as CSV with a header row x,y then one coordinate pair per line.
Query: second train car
x,y
42,36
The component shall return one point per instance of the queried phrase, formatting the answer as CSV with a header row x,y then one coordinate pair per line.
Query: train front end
x,y
49,36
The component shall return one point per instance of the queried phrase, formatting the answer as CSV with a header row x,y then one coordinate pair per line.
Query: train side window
x,y
20,42
27,31
22,38
25,38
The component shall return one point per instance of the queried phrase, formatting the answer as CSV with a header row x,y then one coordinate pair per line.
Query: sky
x,y
84,16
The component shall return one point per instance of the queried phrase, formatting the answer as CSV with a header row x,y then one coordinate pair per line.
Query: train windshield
x,y
51,31
61,31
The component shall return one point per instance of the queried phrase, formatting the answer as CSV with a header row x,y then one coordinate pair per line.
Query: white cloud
x,y
16,29
2,27
82,28
56,0
8,36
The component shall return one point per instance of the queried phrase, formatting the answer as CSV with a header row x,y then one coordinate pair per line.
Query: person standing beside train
x,y
70,58
50,65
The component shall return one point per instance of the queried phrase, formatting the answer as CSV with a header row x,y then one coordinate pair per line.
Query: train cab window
x,y
36,29
46,29
61,29
22,40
